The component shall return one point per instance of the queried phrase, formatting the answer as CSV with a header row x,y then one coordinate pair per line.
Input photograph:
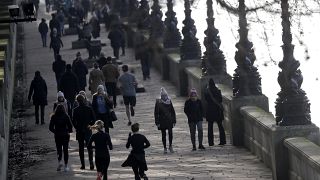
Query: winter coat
x,y
110,72
69,85
59,67
60,125
81,70
43,28
96,78
56,42
54,23
83,116
102,61
38,91
95,27
214,111
193,110
109,106
115,37
164,115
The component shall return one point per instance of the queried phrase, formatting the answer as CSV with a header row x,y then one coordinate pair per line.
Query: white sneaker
x,y
66,168
60,165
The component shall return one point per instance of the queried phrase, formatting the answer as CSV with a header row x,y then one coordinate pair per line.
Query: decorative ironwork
x,y
190,47
246,79
172,36
157,25
292,104
214,61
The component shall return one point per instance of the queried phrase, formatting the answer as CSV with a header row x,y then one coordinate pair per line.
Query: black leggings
x,y
164,138
138,172
102,164
62,142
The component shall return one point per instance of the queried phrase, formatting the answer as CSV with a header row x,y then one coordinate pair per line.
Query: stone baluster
x,y
246,79
172,36
292,104
190,47
157,25
213,61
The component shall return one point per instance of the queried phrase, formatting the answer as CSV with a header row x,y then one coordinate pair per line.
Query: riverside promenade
x,y
215,163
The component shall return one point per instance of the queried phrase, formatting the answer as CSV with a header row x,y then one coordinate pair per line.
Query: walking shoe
x,y
222,143
194,148
66,168
129,123
165,151
145,177
82,167
59,166
171,149
201,147
91,166
42,123
132,110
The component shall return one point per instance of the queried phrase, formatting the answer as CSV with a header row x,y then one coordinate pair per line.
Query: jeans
x,y
44,40
221,133
83,139
62,142
37,113
145,65
164,138
193,126
112,91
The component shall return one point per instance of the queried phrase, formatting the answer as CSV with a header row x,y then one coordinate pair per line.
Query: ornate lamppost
x,y
157,26
246,79
213,61
292,104
133,8
190,47
143,15
172,36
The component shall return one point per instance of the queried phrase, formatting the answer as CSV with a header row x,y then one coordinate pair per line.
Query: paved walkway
x,y
217,162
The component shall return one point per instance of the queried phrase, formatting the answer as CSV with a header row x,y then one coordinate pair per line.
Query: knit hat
x,y
60,94
193,92
101,87
164,96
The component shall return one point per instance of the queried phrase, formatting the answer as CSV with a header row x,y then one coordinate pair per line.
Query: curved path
x,y
217,162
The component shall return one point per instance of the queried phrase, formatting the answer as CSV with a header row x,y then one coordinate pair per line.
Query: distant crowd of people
x,y
92,117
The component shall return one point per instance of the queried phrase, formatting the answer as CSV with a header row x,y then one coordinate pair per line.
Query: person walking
x,y
123,40
86,100
55,43
81,70
70,87
94,21
60,19
38,91
61,126
143,53
165,118
136,158
59,67
96,78
43,30
102,143
115,36
102,60
111,75
214,112
128,84
54,24
193,110
102,107
83,116
60,101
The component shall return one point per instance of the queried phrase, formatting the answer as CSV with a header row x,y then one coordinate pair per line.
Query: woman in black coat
x,y
214,112
61,126
55,43
165,118
193,110
102,107
81,70
38,92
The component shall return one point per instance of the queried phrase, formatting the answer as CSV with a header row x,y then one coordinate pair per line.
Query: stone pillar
x,y
172,36
190,47
292,104
246,79
157,26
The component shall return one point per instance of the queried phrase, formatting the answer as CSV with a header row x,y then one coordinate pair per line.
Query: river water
x,y
265,32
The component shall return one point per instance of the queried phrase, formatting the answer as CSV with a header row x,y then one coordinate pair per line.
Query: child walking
x,y
136,158
101,141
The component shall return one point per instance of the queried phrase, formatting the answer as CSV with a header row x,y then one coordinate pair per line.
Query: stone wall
x,y
7,66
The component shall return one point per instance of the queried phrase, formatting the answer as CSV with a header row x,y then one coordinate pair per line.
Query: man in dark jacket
x,y
55,43
38,92
111,75
102,60
54,23
83,116
193,110
115,36
81,70
43,30
59,67
214,112
69,86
